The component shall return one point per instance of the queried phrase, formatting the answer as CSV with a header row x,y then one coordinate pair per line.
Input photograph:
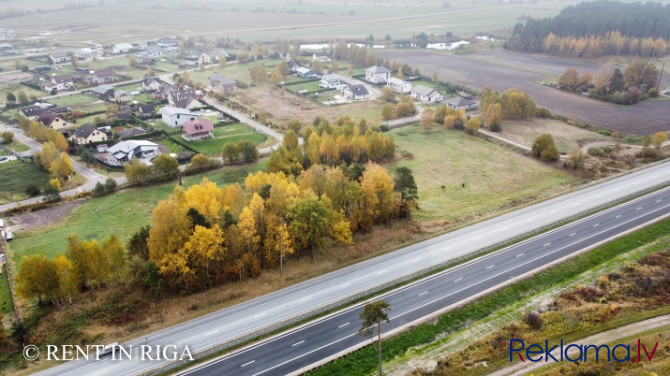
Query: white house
x,y
122,48
356,92
426,94
86,134
400,86
306,73
125,151
85,54
377,74
59,57
330,81
176,117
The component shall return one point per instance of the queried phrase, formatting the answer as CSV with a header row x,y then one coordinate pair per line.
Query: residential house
x,y
460,102
152,83
59,83
306,73
184,98
176,117
293,65
146,109
121,96
121,48
126,151
59,57
400,86
142,45
377,74
131,132
331,81
103,76
221,83
87,134
197,129
197,59
322,57
104,92
356,92
86,54
217,53
6,48
34,112
166,42
147,62
426,94
53,120
153,51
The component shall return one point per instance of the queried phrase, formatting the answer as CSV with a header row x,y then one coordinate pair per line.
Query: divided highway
x,y
308,345
270,310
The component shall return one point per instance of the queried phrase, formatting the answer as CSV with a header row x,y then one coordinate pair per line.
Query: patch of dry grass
x,y
567,137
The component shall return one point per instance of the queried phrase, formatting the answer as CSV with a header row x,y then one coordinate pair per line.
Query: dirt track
x,y
502,70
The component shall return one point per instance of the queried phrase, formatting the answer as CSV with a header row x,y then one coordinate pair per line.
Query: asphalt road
x,y
281,306
310,344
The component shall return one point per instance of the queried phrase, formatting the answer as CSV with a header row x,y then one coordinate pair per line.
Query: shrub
x,y
596,152
32,191
648,153
99,189
533,320
543,112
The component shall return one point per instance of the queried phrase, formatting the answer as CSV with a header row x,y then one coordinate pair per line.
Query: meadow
x,y
16,177
224,135
478,177
566,137
121,213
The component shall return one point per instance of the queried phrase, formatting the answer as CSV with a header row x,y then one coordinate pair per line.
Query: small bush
x,y
596,152
533,320
33,191
543,112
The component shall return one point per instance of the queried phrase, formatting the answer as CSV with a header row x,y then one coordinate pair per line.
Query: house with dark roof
x,y
104,92
221,83
377,74
87,134
426,94
356,92
293,65
306,73
184,98
145,109
33,112
197,129
152,83
460,102
103,76
53,120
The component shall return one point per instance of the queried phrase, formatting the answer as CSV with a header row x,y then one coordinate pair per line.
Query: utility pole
x,y
660,75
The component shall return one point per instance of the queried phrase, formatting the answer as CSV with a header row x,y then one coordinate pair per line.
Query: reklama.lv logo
x,y
578,353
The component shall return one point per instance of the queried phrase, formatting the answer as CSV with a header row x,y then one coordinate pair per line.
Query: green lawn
x,y
308,85
6,302
494,176
16,177
18,146
121,213
6,89
223,135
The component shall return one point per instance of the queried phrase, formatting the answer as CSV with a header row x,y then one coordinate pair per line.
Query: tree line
x,y
593,29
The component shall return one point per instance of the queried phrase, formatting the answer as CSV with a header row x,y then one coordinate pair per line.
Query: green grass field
x,y
16,177
565,136
494,177
17,146
81,102
6,302
121,213
223,135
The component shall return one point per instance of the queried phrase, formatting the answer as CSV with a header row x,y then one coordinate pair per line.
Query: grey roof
x,y
130,132
102,89
32,111
222,80
147,108
378,69
59,54
358,89
422,90
331,77
459,102
63,79
84,131
104,72
154,49
182,98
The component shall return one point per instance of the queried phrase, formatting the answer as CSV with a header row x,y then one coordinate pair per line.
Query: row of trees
x,y
404,108
86,264
344,143
56,162
594,46
207,235
242,150
164,168
610,84
597,28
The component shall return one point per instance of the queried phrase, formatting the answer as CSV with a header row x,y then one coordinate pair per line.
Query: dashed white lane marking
x,y
423,293
489,267
246,364
519,255
298,343
459,279
261,315
212,332
343,325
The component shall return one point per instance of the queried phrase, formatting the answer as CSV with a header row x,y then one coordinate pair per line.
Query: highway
x,y
320,340
268,311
